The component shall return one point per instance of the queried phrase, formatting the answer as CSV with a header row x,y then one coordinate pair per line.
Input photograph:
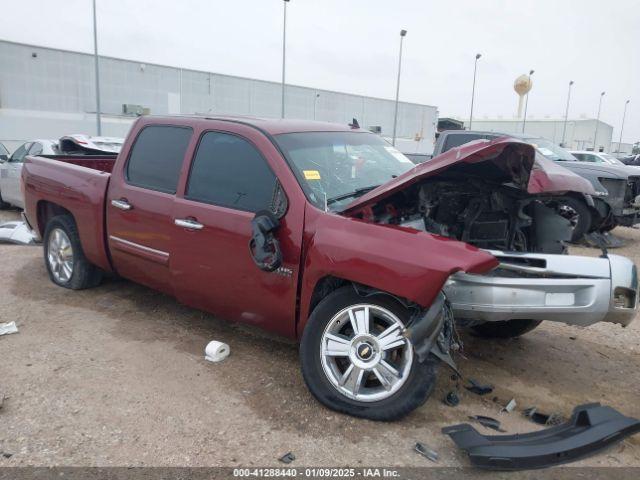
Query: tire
x,y
60,231
416,380
505,329
583,219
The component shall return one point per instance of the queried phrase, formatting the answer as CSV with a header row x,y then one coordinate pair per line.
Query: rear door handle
x,y
188,223
122,204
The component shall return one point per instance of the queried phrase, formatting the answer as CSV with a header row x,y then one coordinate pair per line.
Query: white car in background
x,y
11,169
596,157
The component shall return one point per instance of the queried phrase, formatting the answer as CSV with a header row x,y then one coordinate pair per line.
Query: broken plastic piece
x,y
426,452
542,418
488,422
7,328
452,399
216,351
510,407
478,388
591,428
287,458
16,232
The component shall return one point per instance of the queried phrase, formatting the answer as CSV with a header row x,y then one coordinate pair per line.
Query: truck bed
x,y
74,183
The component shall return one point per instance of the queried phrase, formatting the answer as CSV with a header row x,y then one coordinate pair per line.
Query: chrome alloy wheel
x,y
60,255
364,354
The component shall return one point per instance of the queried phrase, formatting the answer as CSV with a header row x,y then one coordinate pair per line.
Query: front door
x,y
140,203
230,180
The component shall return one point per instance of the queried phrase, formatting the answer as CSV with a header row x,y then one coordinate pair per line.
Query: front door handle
x,y
122,204
188,223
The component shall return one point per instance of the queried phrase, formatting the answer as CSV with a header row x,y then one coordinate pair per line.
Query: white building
x,y
579,134
47,93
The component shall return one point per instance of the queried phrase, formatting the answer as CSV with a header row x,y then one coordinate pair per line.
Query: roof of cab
x,y
272,126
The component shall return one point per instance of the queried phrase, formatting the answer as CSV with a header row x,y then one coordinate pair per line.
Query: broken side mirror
x,y
263,246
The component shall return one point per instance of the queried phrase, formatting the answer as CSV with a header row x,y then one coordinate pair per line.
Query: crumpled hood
x,y
507,160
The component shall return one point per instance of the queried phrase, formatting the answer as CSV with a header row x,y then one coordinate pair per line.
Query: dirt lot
x,y
116,376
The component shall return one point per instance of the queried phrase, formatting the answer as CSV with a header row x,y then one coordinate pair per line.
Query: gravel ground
x,y
116,376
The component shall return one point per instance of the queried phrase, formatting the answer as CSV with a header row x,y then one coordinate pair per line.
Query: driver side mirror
x,y
263,246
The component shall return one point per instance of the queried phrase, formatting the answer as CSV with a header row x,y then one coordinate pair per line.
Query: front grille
x,y
617,193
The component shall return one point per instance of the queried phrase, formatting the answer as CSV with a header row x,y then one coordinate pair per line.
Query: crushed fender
x,y
591,428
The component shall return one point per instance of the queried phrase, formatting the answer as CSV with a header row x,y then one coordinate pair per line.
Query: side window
x,y
228,171
156,157
36,148
579,156
20,153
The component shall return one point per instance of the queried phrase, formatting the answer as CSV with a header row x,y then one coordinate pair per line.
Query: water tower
x,y
522,86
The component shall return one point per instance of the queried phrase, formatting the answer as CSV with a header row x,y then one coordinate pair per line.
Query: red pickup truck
x,y
327,234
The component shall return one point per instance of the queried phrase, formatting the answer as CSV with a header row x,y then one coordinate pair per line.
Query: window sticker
x,y
311,174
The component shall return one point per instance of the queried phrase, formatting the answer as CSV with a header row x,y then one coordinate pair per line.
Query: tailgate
x,y
564,288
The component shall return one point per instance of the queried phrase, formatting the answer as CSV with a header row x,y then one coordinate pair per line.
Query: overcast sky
x,y
352,46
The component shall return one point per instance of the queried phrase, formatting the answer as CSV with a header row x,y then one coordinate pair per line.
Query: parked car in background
x,y
10,170
4,153
596,157
327,234
632,160
612,203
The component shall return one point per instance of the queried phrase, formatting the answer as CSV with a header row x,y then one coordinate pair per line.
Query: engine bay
x,y
480,212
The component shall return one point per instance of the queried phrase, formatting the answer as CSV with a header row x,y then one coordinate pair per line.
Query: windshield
x,y
333,168
550,150
611,159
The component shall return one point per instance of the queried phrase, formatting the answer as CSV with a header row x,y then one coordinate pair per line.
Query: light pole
x,y
284,52
624,114
526,103
473,89
566,114
403,33
595,135
97,68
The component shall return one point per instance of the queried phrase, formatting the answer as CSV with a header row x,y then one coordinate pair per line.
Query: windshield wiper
x,y
355,194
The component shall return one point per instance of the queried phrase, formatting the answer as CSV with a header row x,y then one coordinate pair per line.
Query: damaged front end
x,y
432,331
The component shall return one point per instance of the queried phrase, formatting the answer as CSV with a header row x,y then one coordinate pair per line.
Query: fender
x,y
401,261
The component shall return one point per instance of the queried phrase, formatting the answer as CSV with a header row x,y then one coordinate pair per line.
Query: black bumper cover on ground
x,y
591,428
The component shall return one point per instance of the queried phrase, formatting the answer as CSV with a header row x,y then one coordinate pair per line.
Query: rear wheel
x,y
505,329
66,263
355,359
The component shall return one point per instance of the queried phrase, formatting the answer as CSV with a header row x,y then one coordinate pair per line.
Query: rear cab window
x,y
156,157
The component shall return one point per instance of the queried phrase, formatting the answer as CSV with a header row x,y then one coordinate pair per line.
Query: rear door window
x,y
156,157
229,171
20,153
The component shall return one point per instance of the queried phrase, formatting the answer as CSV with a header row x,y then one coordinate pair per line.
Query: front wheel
x,y
63,255
355,359
505,329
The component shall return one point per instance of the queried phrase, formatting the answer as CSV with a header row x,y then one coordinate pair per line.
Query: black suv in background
x,y
614,203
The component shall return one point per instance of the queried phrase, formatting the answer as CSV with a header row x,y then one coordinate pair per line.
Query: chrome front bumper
x,y
561,288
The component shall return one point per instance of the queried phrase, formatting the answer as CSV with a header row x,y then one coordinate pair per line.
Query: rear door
x,y
235,172
140,204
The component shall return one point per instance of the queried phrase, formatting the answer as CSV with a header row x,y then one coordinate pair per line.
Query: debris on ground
x,y
452,399
478,388
591,428
6,455
216,351
540,418
287,458
603,240
8,328
2,399
488,422
16,232
426,452
511,406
